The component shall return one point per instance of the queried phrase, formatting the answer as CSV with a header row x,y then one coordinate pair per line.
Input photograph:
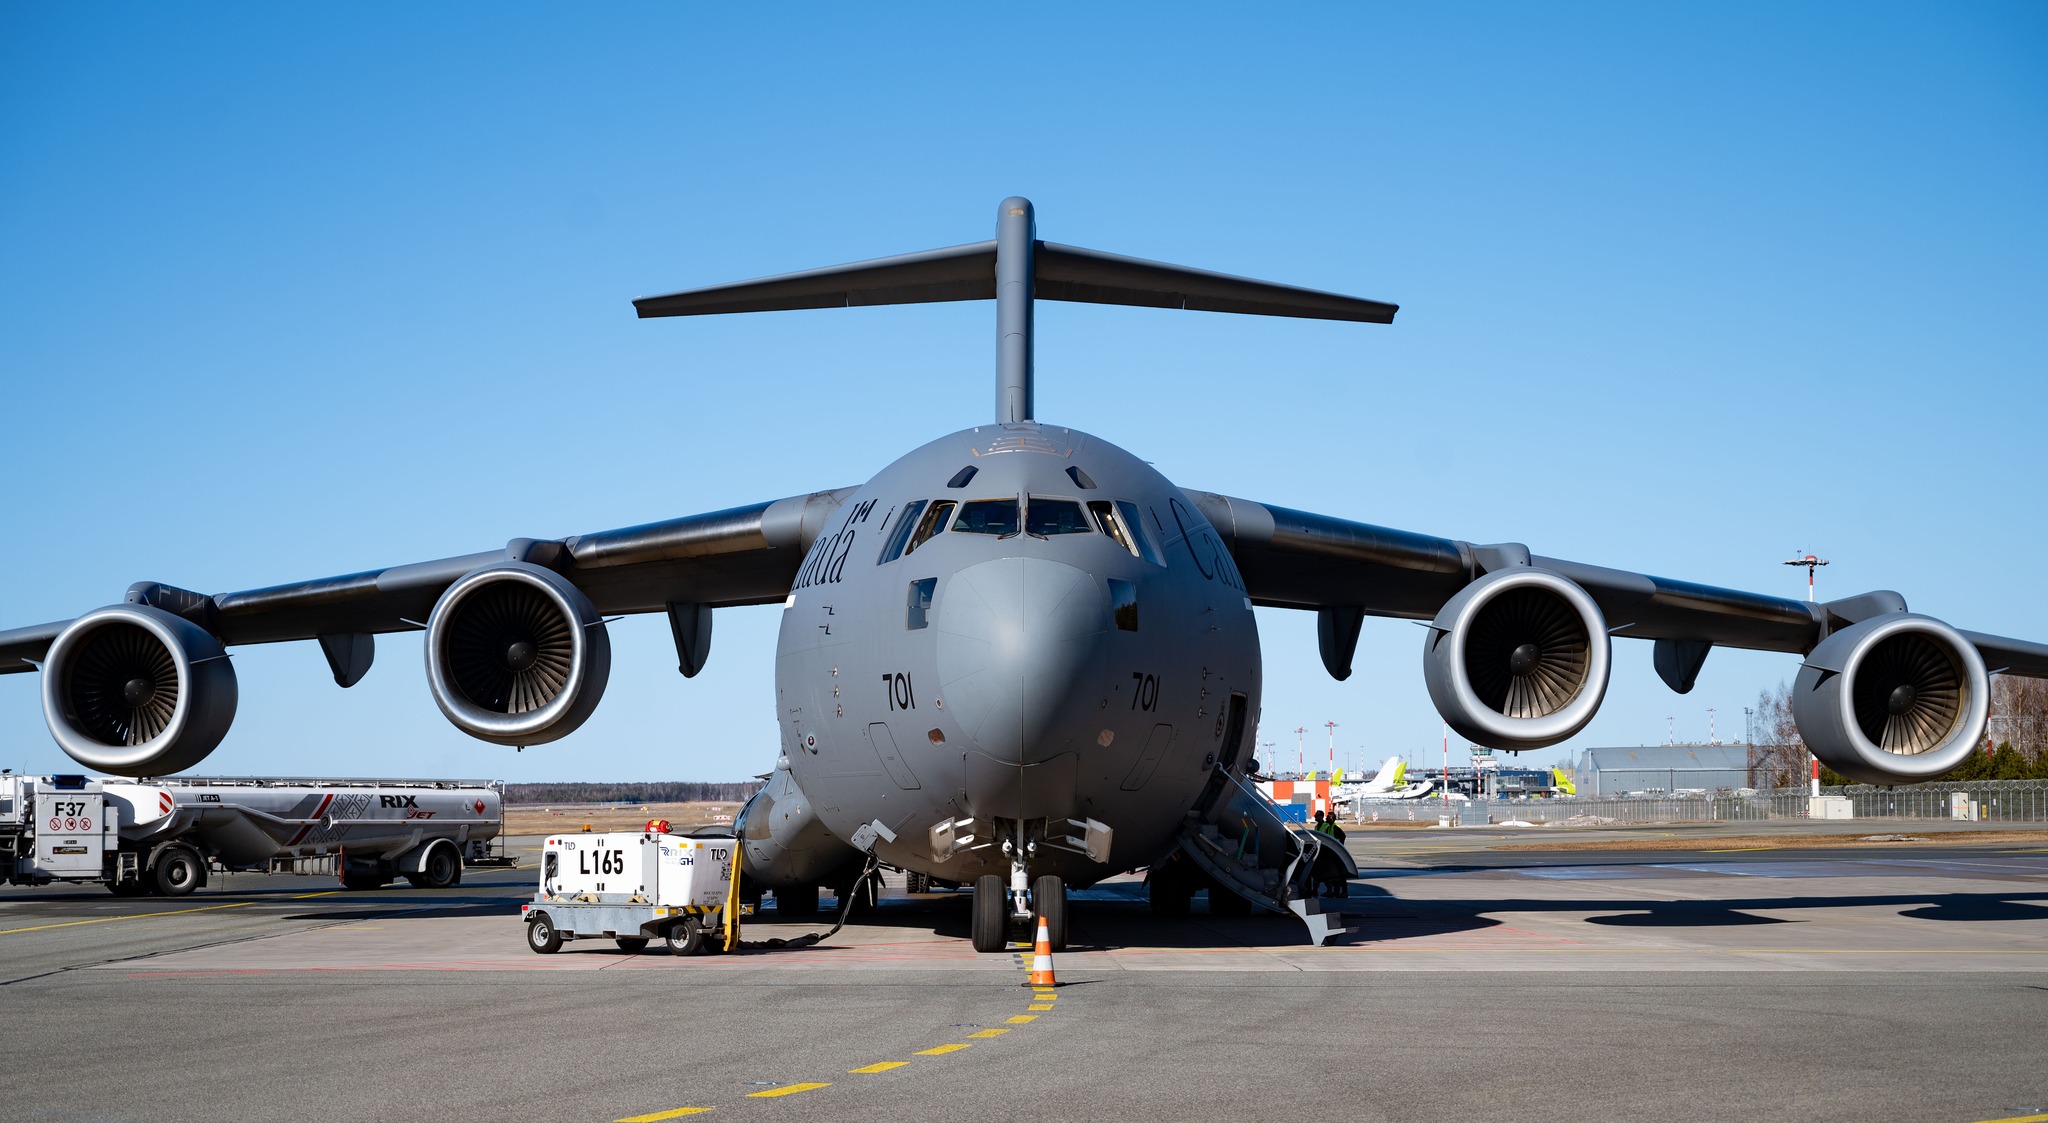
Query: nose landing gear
x,y
993,911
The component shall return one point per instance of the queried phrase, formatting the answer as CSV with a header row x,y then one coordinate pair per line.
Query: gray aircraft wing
x,y
745,555
1346,570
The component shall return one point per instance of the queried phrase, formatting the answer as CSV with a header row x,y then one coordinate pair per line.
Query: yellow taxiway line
x,y
787,1090
658,1116
124,916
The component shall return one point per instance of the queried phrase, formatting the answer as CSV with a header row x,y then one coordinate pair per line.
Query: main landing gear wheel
x,y
1169,895
800,901
541,935
686,936
1223,902
990,929
179,870
1049,897
632,944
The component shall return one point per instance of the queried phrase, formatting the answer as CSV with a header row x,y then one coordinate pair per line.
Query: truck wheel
x,y
991,923
633,944
800,901
541,935
1049,896
684,937
441,868
179,870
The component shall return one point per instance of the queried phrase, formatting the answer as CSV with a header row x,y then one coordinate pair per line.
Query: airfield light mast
x,y
1711,739
1332,727
1446,793
1811,563
1300,753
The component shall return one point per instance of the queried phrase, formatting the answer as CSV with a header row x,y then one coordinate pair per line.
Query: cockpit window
x,y
1054,516
1140,535
900,533
1106,521
1120,521
986,516
934,522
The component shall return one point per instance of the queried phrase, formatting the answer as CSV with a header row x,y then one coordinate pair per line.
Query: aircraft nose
x,y
1020,640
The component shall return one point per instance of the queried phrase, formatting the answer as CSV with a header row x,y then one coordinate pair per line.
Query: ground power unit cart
x,y
636,889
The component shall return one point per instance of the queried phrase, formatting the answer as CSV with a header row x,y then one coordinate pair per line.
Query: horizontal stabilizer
x,y
954,273
1094,277
969,273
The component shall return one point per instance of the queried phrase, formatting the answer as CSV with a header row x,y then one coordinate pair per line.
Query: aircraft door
x,y
1226,753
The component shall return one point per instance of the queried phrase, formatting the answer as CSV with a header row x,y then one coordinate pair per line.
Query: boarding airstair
x,y
1244,845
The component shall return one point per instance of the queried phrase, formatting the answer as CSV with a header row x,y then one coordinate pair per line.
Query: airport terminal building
x,y
1663,768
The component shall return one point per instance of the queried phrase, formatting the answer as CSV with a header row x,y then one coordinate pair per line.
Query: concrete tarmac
x,y
1908,982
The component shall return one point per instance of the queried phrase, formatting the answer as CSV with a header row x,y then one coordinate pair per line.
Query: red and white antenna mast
x,y
1332,727
1811,563
1300,754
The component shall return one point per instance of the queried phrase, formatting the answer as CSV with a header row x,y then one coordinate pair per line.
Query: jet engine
x,y
137,691
1518,659
516,654
1898,698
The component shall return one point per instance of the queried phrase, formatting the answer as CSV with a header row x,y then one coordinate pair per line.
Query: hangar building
x,y
1663,768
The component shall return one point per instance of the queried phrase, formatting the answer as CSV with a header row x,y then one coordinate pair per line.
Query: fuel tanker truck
x,y
165,836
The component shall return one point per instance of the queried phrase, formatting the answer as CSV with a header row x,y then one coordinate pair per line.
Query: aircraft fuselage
x,y
1023,626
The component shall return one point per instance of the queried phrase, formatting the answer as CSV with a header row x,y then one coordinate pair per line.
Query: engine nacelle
x,y
1898,698
516,654
136,691
1518,659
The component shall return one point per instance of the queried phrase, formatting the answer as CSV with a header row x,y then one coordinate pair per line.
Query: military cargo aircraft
x,y
1018,658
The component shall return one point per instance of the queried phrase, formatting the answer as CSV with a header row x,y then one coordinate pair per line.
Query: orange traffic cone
x,y
1041,959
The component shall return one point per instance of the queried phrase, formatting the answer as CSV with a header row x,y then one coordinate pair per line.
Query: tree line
x,y
2015,748
660,791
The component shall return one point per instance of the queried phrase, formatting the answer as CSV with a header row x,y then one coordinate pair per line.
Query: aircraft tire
x,y
990,929
1223,902
1049,896
1169,890
1168,899
542,935
800,901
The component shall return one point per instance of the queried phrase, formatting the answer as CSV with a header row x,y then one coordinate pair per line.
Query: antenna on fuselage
x,y
1016,270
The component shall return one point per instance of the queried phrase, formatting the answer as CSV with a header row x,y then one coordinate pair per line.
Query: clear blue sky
x,y
296,290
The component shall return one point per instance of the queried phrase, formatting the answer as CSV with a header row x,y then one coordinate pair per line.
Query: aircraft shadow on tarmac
x,y
1677,914
1112,920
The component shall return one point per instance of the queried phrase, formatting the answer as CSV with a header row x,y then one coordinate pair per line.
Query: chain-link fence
x,y
2007,801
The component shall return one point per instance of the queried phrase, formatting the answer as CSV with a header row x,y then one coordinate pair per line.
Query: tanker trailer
x,y
165,835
